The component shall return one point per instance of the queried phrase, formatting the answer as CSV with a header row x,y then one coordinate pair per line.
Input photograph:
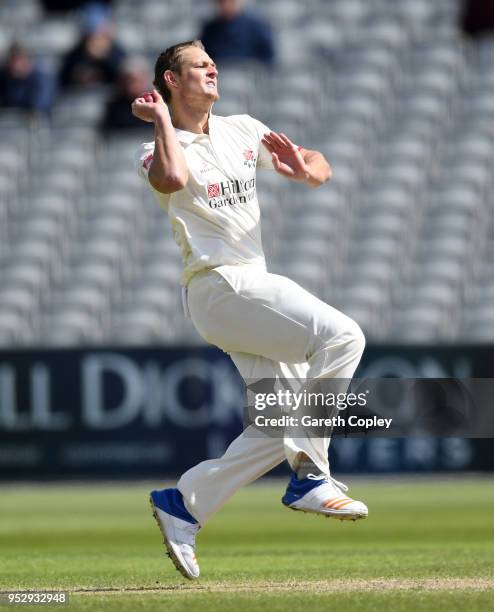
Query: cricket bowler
x,y
202,168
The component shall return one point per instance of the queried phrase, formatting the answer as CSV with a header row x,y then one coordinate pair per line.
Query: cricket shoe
x,y
323,495
179,529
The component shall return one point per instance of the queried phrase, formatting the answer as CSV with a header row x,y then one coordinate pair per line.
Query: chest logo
x,y
249,158
231,192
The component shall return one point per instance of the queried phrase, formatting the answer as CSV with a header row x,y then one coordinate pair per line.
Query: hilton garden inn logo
x,y
231,192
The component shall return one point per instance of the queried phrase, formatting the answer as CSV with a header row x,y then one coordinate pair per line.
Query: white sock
x,y
307,467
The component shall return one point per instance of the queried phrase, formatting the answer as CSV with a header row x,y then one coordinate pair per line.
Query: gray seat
x,y
324,37
89,299
158,298
44,255
437,295
16,14
386,248
95,273
362,315
421,322
38,230
112,227
70,327
307,274
62,184
51,36
141,326
444,271
11,161
378,272
386,224
417,14
461,199
82,109
26,275
478,319
386,32
13,329
369,296
17,300
284,13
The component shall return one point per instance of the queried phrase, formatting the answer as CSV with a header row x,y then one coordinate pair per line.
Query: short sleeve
x,y
144,159
264,161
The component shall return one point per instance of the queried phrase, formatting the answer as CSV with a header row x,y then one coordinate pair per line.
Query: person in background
x,y
96,58
65,6
133,78
237,34
477,17
24,84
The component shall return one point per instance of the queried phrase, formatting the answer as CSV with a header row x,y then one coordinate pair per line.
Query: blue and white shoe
x,y
179,529
323,495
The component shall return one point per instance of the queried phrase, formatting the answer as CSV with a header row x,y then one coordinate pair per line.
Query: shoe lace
x,y
340,485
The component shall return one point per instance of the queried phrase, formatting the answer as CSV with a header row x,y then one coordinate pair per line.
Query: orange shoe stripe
x,y
332,502
343,504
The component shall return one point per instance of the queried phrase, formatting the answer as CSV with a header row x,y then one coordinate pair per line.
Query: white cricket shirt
x,y
215,218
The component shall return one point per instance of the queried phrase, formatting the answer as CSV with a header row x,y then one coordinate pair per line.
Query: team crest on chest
x,y
249,158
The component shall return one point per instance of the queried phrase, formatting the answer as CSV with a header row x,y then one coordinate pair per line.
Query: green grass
x,y
427,545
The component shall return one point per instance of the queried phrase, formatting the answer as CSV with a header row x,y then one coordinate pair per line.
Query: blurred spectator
x,y
477,17
133,79
25,85
64,6
96,57
236,34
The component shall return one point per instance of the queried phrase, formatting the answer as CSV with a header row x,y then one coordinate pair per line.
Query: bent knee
x,y
357,337
351,335
347,334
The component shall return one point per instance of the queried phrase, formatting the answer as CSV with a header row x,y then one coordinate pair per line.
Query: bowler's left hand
x,y
286,156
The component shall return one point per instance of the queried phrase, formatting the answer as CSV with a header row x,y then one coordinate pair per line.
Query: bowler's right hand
x,y
149,106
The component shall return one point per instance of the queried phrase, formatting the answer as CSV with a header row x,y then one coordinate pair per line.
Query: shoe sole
x,y
354,516
169,549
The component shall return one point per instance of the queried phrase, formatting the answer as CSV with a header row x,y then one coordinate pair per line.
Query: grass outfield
x,y
427,545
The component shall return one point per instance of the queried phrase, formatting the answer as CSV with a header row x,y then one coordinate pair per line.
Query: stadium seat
x,y
51,36
17,300
398,102
69,327
141,326
13,329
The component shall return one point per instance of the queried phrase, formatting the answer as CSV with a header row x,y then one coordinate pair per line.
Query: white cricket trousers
x,y
271,327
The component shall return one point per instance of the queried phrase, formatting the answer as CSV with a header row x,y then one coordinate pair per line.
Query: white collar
x,y
190,137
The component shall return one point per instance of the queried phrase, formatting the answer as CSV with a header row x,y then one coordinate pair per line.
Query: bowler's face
x,y
199,75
